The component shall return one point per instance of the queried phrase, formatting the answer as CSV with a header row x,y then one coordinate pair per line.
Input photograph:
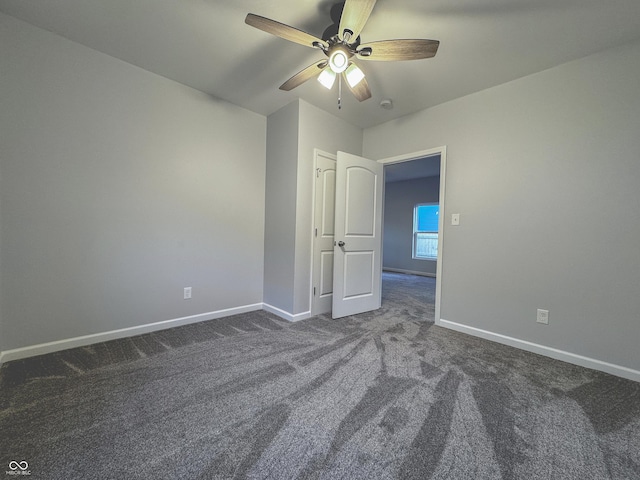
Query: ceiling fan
x,y
340,42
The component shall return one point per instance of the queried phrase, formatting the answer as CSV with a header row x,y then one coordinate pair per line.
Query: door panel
x,y
326,274
358,235
358,274
360,210
328,200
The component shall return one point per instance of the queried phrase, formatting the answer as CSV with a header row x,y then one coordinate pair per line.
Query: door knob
x,y
341,244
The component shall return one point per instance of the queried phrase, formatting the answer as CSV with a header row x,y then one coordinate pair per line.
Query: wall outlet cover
x,y
543,316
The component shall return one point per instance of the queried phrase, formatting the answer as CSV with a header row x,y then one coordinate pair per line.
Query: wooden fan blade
x,y
283,31
354,16
361,91
304,75
391,50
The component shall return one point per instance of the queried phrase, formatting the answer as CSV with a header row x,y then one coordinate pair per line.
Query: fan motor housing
x,y
331,32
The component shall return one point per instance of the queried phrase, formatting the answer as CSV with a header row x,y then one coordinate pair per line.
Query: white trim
x,y
568,357
56,346
442,151
408,272
286,315
431,152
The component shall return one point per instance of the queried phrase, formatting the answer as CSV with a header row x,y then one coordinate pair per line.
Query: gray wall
x,y
280,206
119,188
544,171
399,200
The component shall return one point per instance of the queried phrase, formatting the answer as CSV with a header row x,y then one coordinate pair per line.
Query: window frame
x,y
416,232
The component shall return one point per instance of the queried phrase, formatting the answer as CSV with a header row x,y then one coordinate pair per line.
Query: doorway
x,y
411,161
323,236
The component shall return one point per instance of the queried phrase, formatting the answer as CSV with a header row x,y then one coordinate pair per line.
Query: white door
x,y
324,202
357,268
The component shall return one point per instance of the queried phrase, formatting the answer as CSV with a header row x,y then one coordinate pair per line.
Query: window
x,y
425,231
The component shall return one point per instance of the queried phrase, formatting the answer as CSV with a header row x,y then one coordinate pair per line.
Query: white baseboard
x,y
286,315
50,347
408,272
568,357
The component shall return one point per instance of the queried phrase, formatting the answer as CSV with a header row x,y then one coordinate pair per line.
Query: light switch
x,y
455,219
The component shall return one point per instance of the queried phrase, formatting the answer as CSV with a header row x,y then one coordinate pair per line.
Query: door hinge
x,y
316,232
314,291
318,171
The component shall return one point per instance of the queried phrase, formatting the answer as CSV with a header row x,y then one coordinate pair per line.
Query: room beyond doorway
x,y
410,241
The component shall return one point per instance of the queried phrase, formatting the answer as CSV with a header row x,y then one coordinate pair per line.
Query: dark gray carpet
x,y
381,395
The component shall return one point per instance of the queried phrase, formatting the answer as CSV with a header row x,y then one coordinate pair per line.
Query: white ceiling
x,y
206,44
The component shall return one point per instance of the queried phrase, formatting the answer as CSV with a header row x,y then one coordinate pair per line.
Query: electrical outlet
x,y
543,316
187,293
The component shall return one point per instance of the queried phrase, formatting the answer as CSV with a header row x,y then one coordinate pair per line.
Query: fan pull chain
x,y
339,92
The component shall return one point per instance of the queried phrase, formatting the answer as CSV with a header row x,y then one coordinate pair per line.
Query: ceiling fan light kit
x,y
341,44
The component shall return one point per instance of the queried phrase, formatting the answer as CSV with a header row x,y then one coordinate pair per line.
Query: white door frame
x,y
442,151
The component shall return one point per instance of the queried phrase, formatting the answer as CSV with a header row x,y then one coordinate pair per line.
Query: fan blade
x,y
354,16
284,31
361,91
391,50
304,75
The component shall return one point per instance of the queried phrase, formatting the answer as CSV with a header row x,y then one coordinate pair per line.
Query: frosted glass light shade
x,y
354,75
327,77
